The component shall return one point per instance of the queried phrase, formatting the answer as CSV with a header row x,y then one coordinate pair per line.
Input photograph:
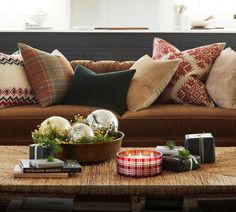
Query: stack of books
x,y
43,169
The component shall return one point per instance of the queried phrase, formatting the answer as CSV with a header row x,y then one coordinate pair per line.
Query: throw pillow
x,y
48,74
106,90
14,86
221,83
187,85
150,79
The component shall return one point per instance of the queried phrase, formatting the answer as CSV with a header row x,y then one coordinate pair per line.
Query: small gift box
x,y
37,151
202,144
165,150
177,164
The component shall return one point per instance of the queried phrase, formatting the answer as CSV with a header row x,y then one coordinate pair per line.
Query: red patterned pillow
x,y
187,85
14,86
161,49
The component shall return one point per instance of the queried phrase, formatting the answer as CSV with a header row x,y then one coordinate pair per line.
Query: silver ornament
x,y
79,130
103,119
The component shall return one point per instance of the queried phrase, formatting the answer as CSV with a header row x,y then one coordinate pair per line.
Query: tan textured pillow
x,y
221,83
150,79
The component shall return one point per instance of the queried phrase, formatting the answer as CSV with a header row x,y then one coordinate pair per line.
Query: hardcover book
x,y
70,166
18,173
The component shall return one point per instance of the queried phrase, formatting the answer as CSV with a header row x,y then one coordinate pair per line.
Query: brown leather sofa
x,y
148,127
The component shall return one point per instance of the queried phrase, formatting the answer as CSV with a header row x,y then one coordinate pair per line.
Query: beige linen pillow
x,y
150,79
221,83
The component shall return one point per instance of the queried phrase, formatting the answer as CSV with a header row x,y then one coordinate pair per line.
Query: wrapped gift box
x,y
165,150
37,151
176,164
202,144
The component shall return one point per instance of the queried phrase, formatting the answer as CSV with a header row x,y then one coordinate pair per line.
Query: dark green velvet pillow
x,y
107,90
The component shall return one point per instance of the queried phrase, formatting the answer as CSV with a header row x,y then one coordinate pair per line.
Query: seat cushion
x,y
16,123
160,122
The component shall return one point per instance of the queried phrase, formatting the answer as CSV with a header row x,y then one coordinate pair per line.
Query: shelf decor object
x,y
139,162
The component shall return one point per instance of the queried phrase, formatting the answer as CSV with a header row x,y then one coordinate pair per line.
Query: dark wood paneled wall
x,y
107,46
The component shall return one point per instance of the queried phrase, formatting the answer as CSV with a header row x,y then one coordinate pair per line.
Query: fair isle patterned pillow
x,y
14,86
48,74
187,85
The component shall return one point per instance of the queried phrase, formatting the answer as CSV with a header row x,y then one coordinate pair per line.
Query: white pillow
x,y
14,85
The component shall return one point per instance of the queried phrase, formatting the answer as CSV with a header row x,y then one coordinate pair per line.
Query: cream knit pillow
x,y
14,86
221,83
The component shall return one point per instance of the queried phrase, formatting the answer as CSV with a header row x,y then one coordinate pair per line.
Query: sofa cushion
x,y
150,79
14,85
16,123
103,66
187,84
48,74
156,124
105,90
35,112
148,127
221,83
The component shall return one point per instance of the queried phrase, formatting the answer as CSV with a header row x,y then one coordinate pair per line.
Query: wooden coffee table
x,y
216,179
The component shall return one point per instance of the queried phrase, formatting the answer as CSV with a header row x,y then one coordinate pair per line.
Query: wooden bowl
x,y
86,153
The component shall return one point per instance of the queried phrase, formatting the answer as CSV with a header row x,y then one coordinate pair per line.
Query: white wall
x,y
146,13
14,13
115,12
149,13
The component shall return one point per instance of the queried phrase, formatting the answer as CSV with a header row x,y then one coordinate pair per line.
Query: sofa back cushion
x,y
103,66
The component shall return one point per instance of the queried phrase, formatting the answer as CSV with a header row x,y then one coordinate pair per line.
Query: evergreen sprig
x,y
184,154
170,144
50,139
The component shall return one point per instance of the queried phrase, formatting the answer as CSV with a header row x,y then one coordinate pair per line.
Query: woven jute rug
x,y
214,178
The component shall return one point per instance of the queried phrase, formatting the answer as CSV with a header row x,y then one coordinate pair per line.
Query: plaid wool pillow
x,y
48,74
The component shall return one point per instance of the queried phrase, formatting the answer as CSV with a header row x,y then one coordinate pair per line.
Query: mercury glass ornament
x,y
79,130
61,124
103,119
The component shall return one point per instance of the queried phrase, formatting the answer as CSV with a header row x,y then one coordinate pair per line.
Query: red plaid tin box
x,y
139,162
